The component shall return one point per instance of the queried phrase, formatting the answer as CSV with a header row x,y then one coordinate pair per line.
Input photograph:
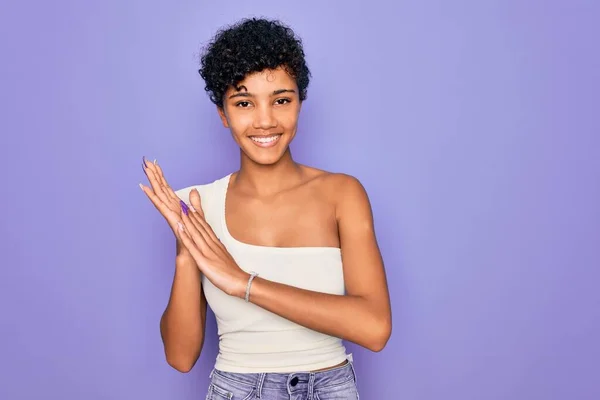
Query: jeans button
x,y
294,381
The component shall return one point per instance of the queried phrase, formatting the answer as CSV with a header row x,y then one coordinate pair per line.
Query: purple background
x,y
470,123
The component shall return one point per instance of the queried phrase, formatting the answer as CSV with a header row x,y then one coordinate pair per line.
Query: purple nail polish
x,y
144,163
184,207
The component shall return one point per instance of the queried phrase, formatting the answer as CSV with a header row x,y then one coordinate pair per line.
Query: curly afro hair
x,y
252,45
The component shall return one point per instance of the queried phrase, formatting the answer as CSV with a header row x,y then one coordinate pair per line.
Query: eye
x,y
243,104
282,101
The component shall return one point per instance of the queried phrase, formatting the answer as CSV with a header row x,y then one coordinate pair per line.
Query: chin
x,y
266,159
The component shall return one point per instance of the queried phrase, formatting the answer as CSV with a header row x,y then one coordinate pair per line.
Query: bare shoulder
x,y
333,181
345,192
351,199
339,184
344,184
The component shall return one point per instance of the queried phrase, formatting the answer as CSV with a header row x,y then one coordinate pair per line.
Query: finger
x,y
156,185
197,234
165,185
197,215
208,232
187,211
163,182
146,165
196,202
160,174
172,195
189,244
196,207
152,172
169,214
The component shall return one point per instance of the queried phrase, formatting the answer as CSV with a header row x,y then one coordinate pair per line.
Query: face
x,y
262,114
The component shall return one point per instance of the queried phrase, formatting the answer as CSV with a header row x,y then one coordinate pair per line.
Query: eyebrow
x,y
247,94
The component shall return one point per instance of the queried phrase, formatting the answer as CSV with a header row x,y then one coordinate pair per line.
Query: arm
x,y
182,325
363,315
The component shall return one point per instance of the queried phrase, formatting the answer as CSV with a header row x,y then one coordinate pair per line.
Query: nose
x,y
264,118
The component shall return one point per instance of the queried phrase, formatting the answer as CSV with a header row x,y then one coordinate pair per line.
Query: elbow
x,y
181,354
183,360
379,336
180,364
184,369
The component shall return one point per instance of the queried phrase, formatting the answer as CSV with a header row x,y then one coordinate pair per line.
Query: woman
x,y
284,254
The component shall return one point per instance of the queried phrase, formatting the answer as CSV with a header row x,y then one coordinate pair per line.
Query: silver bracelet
x,y
252,276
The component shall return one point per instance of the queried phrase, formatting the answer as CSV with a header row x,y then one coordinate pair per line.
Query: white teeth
x,y
265,139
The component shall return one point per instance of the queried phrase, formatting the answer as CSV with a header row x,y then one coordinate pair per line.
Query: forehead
x,y
267,80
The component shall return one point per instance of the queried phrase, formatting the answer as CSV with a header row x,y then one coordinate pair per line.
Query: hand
x,y
163,197
210,254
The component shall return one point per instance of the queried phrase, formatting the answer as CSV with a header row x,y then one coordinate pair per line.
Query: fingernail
x,y
141,187
184,207
155,161
192,208
144,164
180,226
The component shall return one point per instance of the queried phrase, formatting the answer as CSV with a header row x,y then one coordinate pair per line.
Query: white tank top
x,y
252,339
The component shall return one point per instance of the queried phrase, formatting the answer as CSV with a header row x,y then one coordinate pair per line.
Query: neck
x,y
266,180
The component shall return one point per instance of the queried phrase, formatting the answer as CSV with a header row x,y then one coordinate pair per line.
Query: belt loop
x,y
259,384
311,386
211,373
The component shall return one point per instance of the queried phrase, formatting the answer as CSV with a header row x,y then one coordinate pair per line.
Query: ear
x,y
223,117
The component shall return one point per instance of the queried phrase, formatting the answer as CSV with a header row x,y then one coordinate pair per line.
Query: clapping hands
x,y
194,233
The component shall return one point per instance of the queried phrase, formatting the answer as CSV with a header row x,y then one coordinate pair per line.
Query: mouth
x,y
265,141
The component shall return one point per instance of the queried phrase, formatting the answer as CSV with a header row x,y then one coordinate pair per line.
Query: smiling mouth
x,y
265,141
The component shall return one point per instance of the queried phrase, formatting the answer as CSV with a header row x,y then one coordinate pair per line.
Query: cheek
x,y
289,119
239,123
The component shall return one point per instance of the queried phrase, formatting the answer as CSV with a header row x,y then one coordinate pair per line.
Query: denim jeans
x,y
338,383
